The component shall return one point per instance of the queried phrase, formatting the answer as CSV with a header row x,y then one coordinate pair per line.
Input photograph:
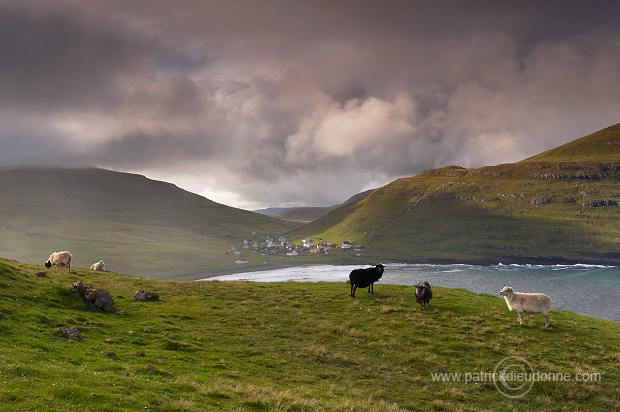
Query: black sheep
x,y
361,278
423,293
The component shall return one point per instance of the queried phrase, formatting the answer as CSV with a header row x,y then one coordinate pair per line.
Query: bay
x,y
584,289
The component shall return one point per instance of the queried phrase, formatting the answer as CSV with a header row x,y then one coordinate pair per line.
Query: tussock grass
x,y
284,346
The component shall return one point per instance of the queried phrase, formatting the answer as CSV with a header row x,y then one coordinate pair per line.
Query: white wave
x,y
562,282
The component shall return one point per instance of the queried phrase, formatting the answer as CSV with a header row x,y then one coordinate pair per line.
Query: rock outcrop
x,y
97,299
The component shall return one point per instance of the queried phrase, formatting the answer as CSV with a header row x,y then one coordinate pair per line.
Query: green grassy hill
x,y
286,346
135,224
559,205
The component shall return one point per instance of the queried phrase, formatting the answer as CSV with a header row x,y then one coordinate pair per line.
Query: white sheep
x,y
59,259
98,265
527,303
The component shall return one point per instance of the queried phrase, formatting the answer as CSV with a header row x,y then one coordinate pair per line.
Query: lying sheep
x,y
98,266
361,278
59,259
423,293
527,303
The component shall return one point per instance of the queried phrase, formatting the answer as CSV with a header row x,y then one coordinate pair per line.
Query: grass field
x,y
286,346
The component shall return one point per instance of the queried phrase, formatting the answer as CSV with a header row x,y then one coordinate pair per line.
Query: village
x,y
282,247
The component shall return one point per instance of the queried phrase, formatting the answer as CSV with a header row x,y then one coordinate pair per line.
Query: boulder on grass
x,y
70,332
145,295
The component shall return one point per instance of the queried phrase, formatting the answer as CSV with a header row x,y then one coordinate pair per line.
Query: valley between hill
x,y
561,206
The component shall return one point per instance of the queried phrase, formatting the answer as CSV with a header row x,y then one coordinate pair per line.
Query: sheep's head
x,y
507,291
48,264
380,268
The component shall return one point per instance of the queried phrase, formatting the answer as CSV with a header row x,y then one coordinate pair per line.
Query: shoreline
x,y
487,279
545,261
258,268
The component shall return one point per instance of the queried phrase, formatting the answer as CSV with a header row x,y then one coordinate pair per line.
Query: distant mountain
x,y
270,211
137,225
559,206
306,214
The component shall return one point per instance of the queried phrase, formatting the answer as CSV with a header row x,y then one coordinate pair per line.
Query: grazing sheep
x,y
527,303
361,278
59,259
423,293
98,266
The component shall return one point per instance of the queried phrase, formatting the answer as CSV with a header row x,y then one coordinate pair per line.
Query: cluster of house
x,y
273,246
322,247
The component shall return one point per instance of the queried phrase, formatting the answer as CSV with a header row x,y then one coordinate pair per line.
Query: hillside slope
x,y
135,224
291,346
561,205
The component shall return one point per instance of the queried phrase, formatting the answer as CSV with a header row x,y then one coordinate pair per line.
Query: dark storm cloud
x,y
56,58
304,102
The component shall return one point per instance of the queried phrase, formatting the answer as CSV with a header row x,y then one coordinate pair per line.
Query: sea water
x,y
586,289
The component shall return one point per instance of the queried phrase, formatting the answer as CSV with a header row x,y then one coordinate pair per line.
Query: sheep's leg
x,y
353,288
371,288
520,317
546,320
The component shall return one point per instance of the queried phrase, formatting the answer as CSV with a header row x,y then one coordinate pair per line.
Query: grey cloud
x,y
302,102
54,58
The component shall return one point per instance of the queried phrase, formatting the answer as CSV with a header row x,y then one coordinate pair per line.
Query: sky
x,y
300,102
